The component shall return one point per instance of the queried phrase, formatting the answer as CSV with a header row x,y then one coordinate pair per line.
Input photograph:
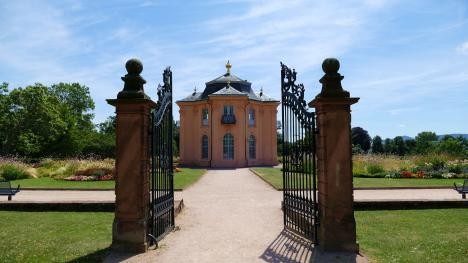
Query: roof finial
x,y
261,91
195,90
228,68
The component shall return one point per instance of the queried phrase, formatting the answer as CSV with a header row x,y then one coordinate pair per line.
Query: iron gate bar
x,y
161,219
299,164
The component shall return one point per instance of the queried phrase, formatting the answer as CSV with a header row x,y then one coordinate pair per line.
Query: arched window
x,y
228,147
204,143
252,146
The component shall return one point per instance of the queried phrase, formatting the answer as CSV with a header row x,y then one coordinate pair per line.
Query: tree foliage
x,y
399,146
38,121
361,137
377,146
425,142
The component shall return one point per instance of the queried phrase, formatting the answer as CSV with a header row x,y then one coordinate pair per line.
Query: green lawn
x,y
275,177
387,182
47,182
182,180
54,236
384,236
187,177
414,235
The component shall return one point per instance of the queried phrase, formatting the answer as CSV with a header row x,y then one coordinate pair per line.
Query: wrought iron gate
x,y
161,214
299,173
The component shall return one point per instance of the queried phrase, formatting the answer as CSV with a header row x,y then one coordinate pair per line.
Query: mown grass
x,y
187,177
274,176
54,236
47,182
182,180
384,236
413,235
402,182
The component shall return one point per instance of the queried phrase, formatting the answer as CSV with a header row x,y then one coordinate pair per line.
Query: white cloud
x,y
463,48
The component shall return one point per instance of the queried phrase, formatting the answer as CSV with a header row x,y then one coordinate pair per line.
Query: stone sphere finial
x,y
134,66
331,65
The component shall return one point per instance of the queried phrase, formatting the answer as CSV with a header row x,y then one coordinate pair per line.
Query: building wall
x,y
192,130
264,131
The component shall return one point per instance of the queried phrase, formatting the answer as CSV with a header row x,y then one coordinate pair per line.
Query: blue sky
x,y
406,60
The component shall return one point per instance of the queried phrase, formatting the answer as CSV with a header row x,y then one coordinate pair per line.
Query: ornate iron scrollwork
x,y
293,95
164,96
161,220
299,173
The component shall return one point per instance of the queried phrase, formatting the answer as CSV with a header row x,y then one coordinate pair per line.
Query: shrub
x,y
455,168
458,166
13,171
436,161
373,168
434,174
448,175
393,174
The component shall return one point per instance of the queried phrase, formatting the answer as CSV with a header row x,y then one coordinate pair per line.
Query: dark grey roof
x,y
228,77
192,97
237,86
261,96
228,91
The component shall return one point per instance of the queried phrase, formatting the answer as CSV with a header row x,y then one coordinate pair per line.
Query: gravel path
x,y
229,216
107,196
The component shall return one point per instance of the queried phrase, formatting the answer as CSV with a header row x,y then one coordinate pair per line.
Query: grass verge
x,y
413,235
47,182
55,236
274,176
187,177
182,180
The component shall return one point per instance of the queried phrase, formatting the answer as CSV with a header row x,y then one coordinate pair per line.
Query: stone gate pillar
x,y
337,229
133,107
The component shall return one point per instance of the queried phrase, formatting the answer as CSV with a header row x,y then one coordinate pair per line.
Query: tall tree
x,y
75,105
361,137
425,142
4,116
400,146
410,146
102,143
453,146
45,121
377,146
389,146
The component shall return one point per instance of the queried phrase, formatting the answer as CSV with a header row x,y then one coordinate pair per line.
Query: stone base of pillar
x,y
129,236
338,236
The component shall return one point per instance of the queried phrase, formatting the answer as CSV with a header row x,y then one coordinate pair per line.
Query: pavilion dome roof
x,y
227,84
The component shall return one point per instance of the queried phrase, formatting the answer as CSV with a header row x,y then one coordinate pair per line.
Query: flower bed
x,y
411,167
100,174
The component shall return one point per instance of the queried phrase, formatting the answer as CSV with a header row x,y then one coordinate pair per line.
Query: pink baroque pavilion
x,y
228,125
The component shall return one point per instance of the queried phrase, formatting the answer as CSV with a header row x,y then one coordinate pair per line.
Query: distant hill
x,y
439,137
455,135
